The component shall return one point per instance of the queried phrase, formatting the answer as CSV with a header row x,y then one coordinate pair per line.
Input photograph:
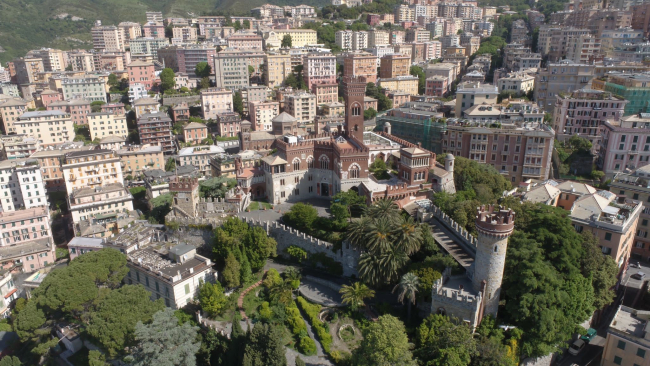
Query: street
x,y
628,292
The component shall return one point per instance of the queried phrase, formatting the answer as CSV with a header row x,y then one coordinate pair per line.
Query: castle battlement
x,y
454,295
495,220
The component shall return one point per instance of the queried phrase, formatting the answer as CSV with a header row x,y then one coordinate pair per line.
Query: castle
x,y
473,295
321,165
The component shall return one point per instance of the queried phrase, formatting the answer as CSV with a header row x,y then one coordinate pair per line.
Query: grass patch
x,y
259,205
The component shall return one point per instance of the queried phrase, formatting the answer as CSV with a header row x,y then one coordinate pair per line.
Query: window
x,y
621,345
608,236
640,352
296,164
187,288
617,360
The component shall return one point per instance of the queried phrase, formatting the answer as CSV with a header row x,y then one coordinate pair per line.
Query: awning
x,y
11,293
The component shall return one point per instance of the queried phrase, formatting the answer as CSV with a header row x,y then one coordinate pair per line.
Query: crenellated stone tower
x,y
354,91
494,225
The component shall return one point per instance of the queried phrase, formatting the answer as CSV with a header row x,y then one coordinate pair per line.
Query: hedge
x,y
307,346
294,321
321,328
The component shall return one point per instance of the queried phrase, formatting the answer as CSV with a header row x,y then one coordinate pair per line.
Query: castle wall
x,y
454,302
287,236
464,238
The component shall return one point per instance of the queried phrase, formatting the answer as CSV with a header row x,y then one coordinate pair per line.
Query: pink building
x,y
141,72
582,112
625,143
398,98
319,68
215,101
228,124
245,41
436,86
154,30
325,93
113,108
195,132
79,109
262,113
26,239
81,245
50,96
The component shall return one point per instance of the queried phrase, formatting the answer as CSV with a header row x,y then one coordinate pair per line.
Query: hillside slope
x,y
29,24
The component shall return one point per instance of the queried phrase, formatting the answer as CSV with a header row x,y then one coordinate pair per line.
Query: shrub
x,y
296,253
272,278
294,321
265,312
307,346
322,329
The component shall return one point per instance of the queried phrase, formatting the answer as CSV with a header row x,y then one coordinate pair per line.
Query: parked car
x,y
577,347
638,276
591,333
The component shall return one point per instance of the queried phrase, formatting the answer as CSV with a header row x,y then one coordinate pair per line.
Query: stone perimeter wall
x,y
467,240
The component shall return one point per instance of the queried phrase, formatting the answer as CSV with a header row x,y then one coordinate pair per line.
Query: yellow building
x,y
10,110
407,84
49,127
136,159
299,37
91,168
277,68
102,125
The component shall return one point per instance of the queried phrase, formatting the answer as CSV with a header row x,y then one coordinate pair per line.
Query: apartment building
x,y
21,185
17,146
154,30
392,66
107,38
88,88
519,83
319,68
8,293
227,124
627,338
361,64
155,129
418,35
325,93
178,275
343,39
446,69
132,30
407,84
199,156
53,60
147,46
78,109
10,110
474,93
101,202
91,169
261,114
231,70
277,68
437,86
51,160
26,69
49,127
564,76
142,73
105,124
302,106
583,112
625,143
299,37
26,239
195,132
580,49
633,87
144,106
378,38
641,18
215,101
610,218
185,34
136,159
245,40
184,58
254,93
560,41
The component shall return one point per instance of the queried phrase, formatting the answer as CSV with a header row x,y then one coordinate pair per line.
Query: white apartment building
x,y
262,113
516,82
378,38
100,202
81,61
177,276
360,40
49,127
344,39
581,47
215,101
199,156
105,124
21,185
89,88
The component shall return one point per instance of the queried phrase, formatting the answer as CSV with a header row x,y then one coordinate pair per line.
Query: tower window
x,y
495,248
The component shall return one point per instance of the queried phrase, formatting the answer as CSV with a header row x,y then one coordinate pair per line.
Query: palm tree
x,y
408,235
355,294
408,288
282,292
356,231
292,275
376,269
384,208
378,235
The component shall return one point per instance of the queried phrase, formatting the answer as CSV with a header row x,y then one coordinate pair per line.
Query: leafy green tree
x,y
258,247
417,71
203,69
369,113
170,166
230,274
114,327
443,342
28,322
246,24
292,81
237,102
286,41
237,25
272,278
212,298
15,361
96,358
113,81
427,276
204,83
165,342
302,216
299,361
167,80
216,187
383,102
384,344
349,200
407,289
251,70
602,270
264,347
339,212
355,295
282,293
580,144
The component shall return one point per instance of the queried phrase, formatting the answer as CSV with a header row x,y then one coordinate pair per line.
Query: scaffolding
x,y
427,130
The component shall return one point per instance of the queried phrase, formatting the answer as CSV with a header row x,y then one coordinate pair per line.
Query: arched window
x,y
356,109
296,164
310,162
324,162
354,171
